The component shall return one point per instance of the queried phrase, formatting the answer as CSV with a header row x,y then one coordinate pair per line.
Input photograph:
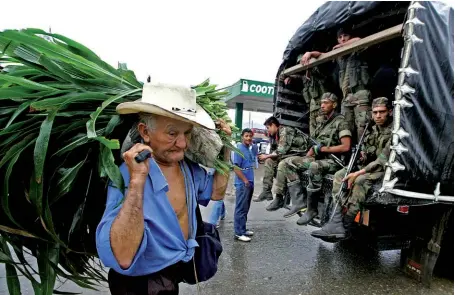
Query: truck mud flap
x,y
419,260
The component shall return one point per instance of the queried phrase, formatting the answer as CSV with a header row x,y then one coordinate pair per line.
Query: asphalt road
x,y
283,258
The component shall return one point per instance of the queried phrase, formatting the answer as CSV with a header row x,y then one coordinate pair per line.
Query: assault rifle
x,y
352,161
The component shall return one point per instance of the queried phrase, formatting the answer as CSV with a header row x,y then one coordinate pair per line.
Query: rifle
x,y
334,158
352,161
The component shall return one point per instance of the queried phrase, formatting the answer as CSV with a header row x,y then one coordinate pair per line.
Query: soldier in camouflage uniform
x,y
291,141
374,155
353,80
334,137
313,88
315,84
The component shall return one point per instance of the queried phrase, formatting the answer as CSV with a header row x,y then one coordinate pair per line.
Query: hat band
x,y
184,110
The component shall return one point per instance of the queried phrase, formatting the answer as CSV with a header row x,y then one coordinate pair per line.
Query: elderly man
x,y
147,235
374,156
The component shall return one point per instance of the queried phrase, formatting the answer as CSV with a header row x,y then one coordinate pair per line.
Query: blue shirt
x,y
163,243
246,164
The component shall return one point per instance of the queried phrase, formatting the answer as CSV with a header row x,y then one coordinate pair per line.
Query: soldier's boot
x,y
349,223
277,203
312,206
333,230
266,194
298,198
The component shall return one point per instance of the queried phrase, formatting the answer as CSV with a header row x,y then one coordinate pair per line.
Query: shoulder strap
x,y
329,121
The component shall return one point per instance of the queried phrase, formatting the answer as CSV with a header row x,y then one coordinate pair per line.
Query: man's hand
x,y
317,149
263,157
247,183
223,126
351,178
310,152
337,46
137,170
287,80
363,157
306,58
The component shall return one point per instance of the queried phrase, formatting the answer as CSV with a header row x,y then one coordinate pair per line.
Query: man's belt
x,y
247,168
293,153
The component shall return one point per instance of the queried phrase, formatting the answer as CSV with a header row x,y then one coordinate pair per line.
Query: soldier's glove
x,y
317,149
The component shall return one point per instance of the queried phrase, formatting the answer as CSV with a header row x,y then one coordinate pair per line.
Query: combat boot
x,y
334,229
276,204
349,223
266,194
312,206
298,198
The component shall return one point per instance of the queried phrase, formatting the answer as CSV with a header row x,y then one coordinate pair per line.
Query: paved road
x,y
284,259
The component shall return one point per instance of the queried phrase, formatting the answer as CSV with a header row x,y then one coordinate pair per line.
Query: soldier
x,y
314,86
374,155
353,80
334,137
291,142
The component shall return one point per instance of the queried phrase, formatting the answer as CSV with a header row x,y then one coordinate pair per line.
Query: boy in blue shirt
x,y
244,185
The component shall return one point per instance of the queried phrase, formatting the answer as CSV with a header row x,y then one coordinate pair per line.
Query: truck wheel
x,y
444,265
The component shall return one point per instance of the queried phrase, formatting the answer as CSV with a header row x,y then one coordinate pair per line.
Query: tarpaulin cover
x,y
319,33
430,121
333,14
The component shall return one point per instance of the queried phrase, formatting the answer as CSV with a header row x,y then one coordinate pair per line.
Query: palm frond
x,y
59,147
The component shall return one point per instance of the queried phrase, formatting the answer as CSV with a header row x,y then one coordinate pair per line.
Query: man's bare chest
x,y
177,198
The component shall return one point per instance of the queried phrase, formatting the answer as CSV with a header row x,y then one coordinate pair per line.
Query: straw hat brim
x,y
201,118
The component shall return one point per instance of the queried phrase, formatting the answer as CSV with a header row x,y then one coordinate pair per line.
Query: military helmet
x,y
380,101
329,96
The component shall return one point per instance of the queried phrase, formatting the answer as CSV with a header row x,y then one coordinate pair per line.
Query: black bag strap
x,y
200,222
325,124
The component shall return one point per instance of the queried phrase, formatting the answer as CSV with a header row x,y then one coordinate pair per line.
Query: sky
x,y
179,42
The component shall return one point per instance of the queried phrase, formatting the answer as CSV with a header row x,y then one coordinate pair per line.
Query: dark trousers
x,y
243,195
164,282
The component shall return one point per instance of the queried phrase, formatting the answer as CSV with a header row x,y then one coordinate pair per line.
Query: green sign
x,y
256,88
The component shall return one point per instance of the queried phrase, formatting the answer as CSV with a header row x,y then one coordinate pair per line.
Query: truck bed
x,y
373,197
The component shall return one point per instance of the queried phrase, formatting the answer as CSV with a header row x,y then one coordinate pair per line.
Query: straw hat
x,y
173,101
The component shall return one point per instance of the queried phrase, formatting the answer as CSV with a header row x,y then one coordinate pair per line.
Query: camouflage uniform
x,y
315,84
291,141
377,148
354,79
328,135
313,89
375,142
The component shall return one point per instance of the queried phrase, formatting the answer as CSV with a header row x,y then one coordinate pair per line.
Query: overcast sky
x,y
182,42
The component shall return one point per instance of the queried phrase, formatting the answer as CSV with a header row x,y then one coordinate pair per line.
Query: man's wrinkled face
x,y
272,129
247,138
380,115
169,138
327,106
343,38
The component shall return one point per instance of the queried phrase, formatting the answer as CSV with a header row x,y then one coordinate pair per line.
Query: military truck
x,y
409,50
